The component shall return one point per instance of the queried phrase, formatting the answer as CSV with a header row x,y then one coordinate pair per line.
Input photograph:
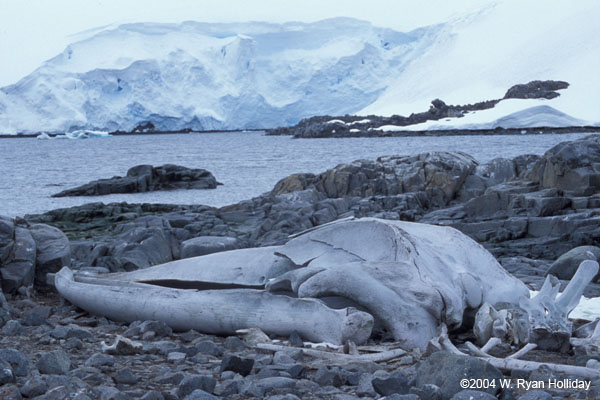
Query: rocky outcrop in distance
x,y
365,126
146,178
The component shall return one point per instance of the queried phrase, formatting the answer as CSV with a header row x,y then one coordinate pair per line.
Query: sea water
x,y
247,163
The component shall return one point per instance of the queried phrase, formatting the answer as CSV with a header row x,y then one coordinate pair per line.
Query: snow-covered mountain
x,y
210,76
479,56
262,75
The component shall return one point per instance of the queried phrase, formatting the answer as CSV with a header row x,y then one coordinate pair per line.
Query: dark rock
x,y
203,245
12,328
60,331
170,378
193,382
125,376
326,376
445,370
71,331
6,373
5,315
34,386
403,397
17,360
74,344
473,395
228,387
199,394
570,166
10,392
17,267
365,386
53,251
209,347
427,392
395,382
99,360
242,366
536,90
153,395
55,362
144,178
296,371
282,357
37,316
140,244
111,393
267,385
58,380
296,340
158,327
234,343
287,396
567,264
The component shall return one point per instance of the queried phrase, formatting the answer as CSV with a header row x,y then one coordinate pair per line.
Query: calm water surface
x,y
248,164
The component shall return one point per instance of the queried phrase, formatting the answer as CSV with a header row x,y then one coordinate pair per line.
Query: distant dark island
x,y
146,178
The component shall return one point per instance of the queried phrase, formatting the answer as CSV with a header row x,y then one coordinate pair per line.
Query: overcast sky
x,y
32,31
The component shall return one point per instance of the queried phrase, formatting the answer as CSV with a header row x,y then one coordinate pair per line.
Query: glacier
x,y
255,75
210,76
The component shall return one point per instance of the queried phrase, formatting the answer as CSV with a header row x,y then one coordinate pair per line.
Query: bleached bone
x,y
512,363
570,297
410,276
337,357
122,346
215,311
548,313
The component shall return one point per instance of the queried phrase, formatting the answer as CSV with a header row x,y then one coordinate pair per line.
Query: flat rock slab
x,y
146,178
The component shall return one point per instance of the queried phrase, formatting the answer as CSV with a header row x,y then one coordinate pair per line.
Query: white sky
x,y
32,31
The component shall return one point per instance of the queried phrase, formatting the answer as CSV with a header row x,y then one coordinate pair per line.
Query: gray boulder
x,y
567,264
446,370
203,245
17,360
52,251
19,269
139,244
570,166
499,170
193,382
12,328
55,362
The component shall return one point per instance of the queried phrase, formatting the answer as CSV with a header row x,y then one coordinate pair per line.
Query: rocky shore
x,y
533,213
146,178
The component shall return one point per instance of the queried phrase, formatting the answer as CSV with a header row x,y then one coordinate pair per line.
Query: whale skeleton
x,y
333,283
